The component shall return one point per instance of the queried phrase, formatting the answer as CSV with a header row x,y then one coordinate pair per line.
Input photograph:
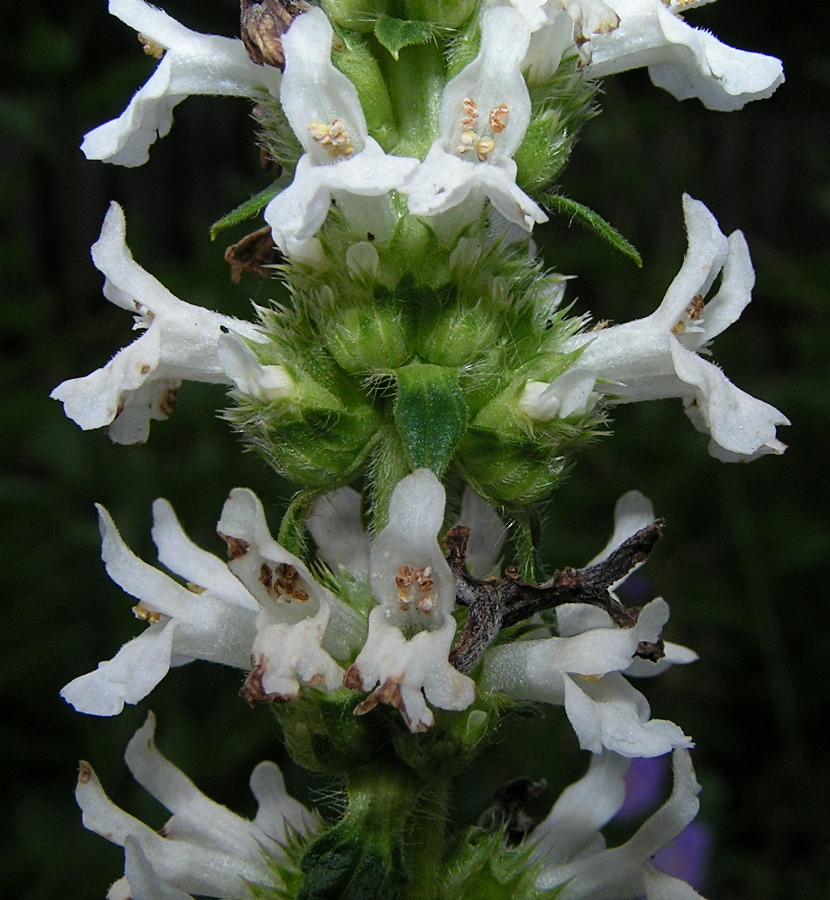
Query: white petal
x,y
407,670
572,392
195,816
487,533
656,357
610,713
742,428
256,557
633,512
286,656
140,880
572,827
191,862
334,523
266,383
493,78
128,677
297,214
444,181
416,515
313,90
193,64
686,61
182,556
277,808
180,342
676,655
660,886
625,871
139,579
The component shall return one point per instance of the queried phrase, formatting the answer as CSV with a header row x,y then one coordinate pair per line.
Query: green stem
x,y
391,804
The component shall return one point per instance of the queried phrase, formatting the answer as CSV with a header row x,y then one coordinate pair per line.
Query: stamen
x,y
467,142
333,137
284,583
421,579
470,118
694,311
497,120
484,148
151,48
140,611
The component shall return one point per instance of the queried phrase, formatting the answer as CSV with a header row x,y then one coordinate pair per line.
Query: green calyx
x,y
395,372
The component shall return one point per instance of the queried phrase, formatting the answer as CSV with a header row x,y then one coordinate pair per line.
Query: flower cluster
x,y
424,389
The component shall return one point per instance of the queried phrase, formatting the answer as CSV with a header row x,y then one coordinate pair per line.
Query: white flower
x,y
485,111
180,341
571,393
237,621
213,621
412,629
686,61
658,356
192,64
299,623
341,160
583,668
204,848
573,850
559,27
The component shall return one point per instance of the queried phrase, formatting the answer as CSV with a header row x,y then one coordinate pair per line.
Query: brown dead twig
x,y
495,604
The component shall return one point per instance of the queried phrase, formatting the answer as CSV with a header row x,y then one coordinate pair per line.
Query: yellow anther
x,y
140,611
497,120
693,312
467,142
470,118
484,148
333,137
151,48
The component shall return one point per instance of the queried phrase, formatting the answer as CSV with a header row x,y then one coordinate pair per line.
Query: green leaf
x,y
248,209
430,413
594,221
395,34
340,867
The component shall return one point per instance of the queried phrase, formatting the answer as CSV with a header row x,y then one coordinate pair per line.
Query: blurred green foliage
x,y
744,559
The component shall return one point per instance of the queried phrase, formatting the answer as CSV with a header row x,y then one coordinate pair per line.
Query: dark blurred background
x,y
743,562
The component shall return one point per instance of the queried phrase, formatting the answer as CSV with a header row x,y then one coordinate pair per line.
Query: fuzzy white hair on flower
x,y
572,850
192,63
659,356
180,341
582,669
412,628
685,61
204,849
485,111
214,621
300,625
341,161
